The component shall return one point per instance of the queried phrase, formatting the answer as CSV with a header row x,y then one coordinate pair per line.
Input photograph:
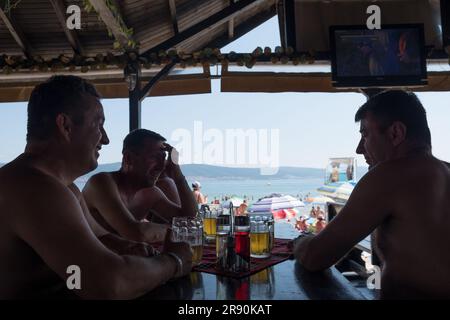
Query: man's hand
x,y
180,249
299,246
172,166
140,249
127,247
153,232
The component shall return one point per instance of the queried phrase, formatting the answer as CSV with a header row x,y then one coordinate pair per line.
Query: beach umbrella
x,y
284,214
321,199
234,200
343,192
275,201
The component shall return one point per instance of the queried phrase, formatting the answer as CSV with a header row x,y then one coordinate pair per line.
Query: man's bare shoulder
x,y
381,173
100,187
28,178
98,181
26,190
398,167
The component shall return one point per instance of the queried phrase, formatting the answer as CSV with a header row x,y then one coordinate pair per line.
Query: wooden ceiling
x,y
37,27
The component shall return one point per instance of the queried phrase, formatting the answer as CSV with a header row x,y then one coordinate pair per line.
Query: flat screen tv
x,y
391,56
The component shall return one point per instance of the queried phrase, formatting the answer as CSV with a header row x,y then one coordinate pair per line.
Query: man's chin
x,y
93,165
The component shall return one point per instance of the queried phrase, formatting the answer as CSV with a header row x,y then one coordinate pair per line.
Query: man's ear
x,y
127,160
64,125
397,133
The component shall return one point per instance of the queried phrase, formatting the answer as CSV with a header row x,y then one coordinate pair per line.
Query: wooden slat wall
x,y
41,28
150,20
191,12
306,82
254,11
93,34
204,38
116,88
113,86
7,42
316,17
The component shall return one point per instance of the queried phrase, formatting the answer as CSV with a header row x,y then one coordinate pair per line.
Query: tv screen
x,y
391,56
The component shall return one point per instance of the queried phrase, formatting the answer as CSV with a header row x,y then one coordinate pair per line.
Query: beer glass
x,y
209,222
259,238
190,230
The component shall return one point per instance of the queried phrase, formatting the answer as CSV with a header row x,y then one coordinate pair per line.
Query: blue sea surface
x,y
255,189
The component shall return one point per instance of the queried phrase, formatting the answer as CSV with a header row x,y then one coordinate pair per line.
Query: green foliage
x,y
128,32
8,5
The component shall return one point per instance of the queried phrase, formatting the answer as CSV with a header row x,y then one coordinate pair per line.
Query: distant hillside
x,y
208,171
202,171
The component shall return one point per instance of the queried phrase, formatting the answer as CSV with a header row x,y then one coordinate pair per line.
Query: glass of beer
x,y
259,238
209,222
190,230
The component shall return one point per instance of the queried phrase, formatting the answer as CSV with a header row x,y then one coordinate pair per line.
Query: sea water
x,y
256,188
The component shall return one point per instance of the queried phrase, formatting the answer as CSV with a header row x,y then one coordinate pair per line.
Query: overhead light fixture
x,y
131,74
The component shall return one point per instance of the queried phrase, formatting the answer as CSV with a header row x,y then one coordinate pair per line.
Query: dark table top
x,y
284,281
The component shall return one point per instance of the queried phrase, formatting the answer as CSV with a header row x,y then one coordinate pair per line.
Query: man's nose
x,y
360,148
105,139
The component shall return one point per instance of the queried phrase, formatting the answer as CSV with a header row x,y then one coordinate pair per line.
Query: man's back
x,y
406,201
415,240
27,274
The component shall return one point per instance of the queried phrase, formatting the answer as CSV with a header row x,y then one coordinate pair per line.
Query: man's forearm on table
x,y
136,276
122,246
310,255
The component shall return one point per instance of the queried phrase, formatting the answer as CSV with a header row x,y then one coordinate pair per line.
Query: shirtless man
x,y
43,229
405,197
198,195
121,200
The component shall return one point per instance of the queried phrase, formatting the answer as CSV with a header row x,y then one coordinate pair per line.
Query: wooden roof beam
x,y
173,15
16,33
231,28
111,22
211,22
243,28
231,24
71,35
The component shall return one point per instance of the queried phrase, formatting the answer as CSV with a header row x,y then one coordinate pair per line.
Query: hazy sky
x,y
312,126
